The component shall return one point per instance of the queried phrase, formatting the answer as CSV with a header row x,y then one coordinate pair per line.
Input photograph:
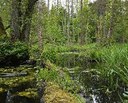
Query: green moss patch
x,y
29,93
54,94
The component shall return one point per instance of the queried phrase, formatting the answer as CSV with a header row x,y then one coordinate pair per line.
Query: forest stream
x,y
85,70
63,51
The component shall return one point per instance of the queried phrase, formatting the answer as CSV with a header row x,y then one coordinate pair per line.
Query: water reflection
x,y
9,97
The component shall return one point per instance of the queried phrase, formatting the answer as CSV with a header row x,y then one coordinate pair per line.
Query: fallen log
x,y
7,75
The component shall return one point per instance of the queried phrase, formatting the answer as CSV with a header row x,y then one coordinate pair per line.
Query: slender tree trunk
x,y
39,25
65,21
101,8
39,28
57,3
72,27
15,20
77,10
68,22
110,31
48,5
82,35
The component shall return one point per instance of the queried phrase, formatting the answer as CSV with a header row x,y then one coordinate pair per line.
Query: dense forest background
x,y
67,22
87,40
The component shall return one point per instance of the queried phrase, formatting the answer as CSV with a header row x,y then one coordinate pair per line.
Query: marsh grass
x,y
112,72
107,78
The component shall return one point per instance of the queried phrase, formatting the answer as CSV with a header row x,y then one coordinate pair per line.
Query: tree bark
x,y
39,25
100,8
68,21
110,31
20,24
82,34
27,20
2,29
15,20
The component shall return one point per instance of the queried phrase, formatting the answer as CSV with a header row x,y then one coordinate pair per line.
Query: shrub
x,y
13,53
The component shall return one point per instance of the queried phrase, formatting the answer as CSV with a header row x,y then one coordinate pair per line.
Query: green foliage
x,y
115,59
48,75
13,53
4,11
56,74
53,52
109,76
17,48
54,26
105,67
109,64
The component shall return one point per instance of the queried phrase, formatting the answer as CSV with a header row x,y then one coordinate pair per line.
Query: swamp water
x,y
83,68
19,85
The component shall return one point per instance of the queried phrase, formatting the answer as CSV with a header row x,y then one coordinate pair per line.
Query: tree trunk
x,y
2,29
110,31
15,20
82,35
27,20
101,8
39,25
68,21
20,24
48,5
